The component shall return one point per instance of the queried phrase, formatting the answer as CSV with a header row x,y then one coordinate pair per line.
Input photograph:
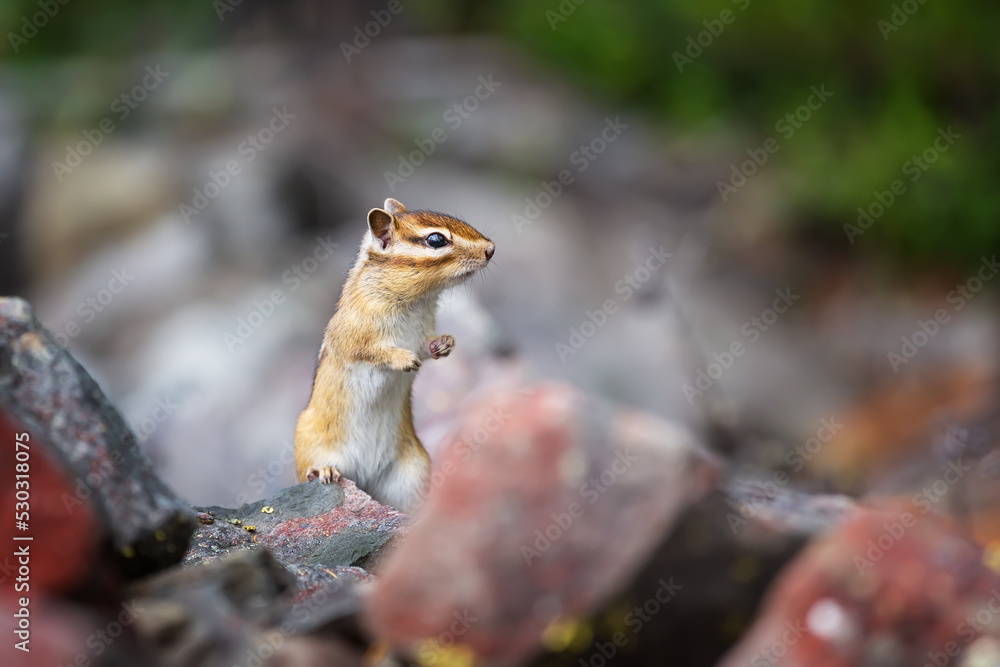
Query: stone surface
x,y
309,527
544,505
54,528
67,634
894,586
46,392
244,608
699,591
65,559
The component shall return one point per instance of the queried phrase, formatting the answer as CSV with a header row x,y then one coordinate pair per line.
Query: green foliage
x,y
106,28
892,92
893,89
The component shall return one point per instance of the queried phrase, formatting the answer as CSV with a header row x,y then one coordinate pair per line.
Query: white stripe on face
x,y
423,251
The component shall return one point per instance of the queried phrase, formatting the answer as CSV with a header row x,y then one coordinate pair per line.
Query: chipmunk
x,y
359,421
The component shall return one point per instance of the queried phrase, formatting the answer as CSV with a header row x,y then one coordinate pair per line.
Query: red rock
x,y
55,528
66,633
306,526
891,586
544,505
46,392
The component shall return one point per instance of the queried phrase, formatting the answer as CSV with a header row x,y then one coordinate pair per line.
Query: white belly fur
x,y
378,397
374,422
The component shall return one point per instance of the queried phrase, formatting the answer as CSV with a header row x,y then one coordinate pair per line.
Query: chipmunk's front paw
x,y
441,346
404,360
326,475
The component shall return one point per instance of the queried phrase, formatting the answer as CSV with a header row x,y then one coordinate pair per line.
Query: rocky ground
x,y
558,529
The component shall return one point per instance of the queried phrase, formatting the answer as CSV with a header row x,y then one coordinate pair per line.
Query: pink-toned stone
x,y
521,529
892,586
309,527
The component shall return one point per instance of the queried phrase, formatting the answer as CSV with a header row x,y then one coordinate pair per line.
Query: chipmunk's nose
x,y
490,250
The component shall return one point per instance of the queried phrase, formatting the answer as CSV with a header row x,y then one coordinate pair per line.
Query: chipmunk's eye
x,y
437,240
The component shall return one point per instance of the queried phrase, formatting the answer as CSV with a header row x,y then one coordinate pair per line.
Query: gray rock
x,y
48,393
245,608
307,526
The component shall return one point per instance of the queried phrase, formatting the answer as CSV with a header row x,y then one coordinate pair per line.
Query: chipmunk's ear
x,y
381,224
394,206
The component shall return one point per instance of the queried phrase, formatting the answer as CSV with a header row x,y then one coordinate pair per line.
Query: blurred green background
x,y
895,82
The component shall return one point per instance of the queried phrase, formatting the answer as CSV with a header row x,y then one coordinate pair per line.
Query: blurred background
x,y
774,222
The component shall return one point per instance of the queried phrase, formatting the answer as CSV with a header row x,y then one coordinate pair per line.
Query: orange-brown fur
x,y
359,418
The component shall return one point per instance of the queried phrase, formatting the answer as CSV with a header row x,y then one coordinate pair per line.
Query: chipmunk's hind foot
x,y
326,474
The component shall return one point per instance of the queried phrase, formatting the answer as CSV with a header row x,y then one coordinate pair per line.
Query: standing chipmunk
x,y
359,421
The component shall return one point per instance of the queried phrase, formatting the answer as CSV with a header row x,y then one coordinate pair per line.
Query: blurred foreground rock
x,y
561,532
98,515
893,587
243,609
544,505
85,513
45,391
558,530
66,559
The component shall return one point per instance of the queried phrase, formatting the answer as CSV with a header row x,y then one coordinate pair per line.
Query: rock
x,y
46,392
697,593
544,505
239,609
893,586
55,529
65,633
65,560
310,528
309,652
761,504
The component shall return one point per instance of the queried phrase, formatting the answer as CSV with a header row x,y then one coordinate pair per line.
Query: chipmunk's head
x,y
430,250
